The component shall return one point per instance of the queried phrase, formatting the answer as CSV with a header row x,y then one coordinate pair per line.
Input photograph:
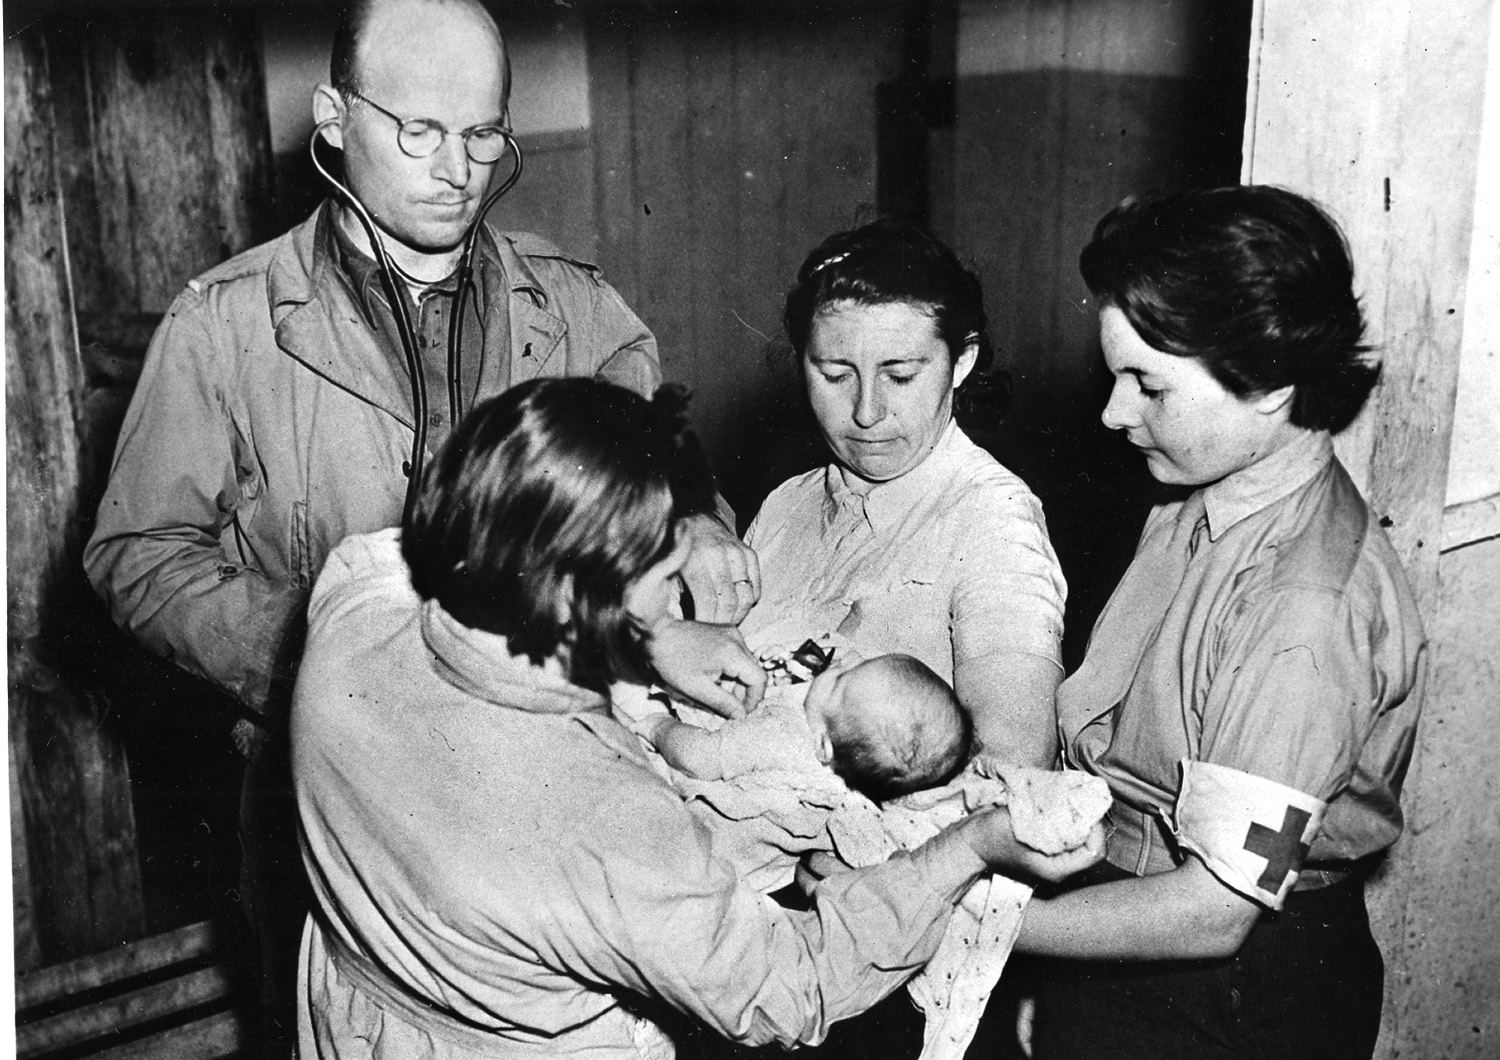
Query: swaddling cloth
x,y
1047,809
771,817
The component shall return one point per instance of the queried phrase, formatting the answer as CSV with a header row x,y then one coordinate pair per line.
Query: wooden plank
x,y
117,1014
713,66
668,258
611,59
239,132
1373,108
181,148
1471,522
1445,1002
190,943
221,1035
84,886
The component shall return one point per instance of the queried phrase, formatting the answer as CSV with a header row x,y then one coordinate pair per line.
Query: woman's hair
x,y
543,507
889,262
1253,281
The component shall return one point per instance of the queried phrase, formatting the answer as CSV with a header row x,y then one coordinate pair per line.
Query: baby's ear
x,y
824,748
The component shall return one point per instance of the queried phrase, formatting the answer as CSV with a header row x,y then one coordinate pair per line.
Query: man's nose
x,y
451,162
869,406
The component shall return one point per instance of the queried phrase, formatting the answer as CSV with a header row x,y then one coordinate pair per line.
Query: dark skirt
x,y
1307,983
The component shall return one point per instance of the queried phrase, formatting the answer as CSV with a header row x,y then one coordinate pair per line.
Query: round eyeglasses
x,y
421,137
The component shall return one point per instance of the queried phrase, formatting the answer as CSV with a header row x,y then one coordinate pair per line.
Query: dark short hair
x,y
1254,281
885,262
343,69
862,753
557,492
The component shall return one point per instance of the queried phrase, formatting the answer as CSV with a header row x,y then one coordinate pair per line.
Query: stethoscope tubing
x,y
404,326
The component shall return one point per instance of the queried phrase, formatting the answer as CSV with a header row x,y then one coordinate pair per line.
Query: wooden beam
x,y
191,943
1374,108
73,811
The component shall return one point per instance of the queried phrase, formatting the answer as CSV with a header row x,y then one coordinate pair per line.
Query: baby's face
x,y
854,684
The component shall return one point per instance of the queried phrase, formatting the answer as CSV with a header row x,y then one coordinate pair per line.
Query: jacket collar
x,y
481,665
319,321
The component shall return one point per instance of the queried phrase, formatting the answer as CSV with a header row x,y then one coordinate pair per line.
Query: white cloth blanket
x,y
787,814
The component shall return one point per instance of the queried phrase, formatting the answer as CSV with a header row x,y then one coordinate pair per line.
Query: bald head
x,y
371,32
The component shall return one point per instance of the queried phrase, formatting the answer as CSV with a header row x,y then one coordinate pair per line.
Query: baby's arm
x,y
687,748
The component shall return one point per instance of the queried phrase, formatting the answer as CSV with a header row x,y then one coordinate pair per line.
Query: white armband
x,y
1252,833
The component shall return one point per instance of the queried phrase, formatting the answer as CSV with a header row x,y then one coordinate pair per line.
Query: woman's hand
x,y
989,834
707,664
722,573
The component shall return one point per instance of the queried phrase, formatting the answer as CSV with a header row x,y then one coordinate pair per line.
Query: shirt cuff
x,y
1252,833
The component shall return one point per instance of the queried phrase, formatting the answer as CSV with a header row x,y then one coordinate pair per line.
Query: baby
x,y
886,725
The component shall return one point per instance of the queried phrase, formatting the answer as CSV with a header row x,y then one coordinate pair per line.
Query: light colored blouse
x,y
1251,691
950,562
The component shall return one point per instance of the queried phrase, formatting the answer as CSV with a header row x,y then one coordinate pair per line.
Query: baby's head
x,y
888,725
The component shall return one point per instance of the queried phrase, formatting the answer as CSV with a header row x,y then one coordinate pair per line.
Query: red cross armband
x,y
1252,833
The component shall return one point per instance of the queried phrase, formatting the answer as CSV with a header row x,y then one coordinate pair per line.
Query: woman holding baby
x,y
498,871
913,539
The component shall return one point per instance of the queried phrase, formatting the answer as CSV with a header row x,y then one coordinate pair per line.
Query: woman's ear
x,y
965,363
1274,402
328,114
562,603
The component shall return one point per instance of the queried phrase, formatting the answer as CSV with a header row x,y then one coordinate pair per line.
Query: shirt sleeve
x,y
1284,719
155,554
1009,589
677,925
626,346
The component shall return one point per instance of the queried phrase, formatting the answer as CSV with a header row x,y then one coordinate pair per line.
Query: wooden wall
x,y
136,157
75,879
1375,108
730,140
1064,107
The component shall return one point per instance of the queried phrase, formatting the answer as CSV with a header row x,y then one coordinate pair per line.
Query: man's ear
x,y
328,114
824,748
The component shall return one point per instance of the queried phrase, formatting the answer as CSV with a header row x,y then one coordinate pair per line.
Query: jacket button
x,y
406,468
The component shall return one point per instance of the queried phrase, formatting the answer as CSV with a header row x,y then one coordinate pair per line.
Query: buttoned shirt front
x,y
948,562
1266,719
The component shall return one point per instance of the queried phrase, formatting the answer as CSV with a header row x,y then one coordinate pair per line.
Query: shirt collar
x,y
360,271
1260,485
886,503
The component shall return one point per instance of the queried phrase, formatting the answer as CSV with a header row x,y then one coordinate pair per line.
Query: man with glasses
x,y
274,415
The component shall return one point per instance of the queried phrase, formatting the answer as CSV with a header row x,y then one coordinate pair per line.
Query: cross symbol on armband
x,y
1282,850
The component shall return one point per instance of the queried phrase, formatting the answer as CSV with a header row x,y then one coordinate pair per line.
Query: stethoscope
x,y
390,274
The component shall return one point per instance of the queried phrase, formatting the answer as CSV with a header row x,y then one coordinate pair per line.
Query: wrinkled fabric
x,y
270,422
495,849
948,562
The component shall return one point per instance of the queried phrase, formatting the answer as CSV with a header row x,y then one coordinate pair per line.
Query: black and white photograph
x,y
712,529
